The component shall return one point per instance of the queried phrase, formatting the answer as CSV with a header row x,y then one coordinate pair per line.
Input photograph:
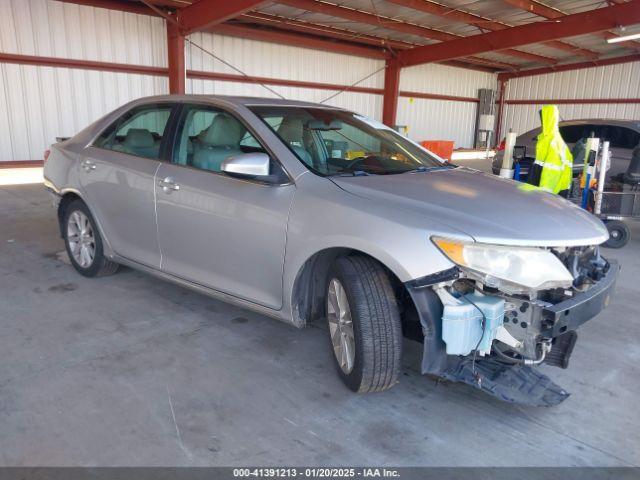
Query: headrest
x,y
139,138
224,131
291,130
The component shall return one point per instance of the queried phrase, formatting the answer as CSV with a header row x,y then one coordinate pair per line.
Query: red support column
x,y
177,70
391,91
503,85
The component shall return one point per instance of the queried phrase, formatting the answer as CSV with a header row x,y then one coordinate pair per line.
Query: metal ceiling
x,y
391,18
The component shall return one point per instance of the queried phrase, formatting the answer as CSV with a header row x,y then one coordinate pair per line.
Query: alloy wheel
x,y
340,326
81,240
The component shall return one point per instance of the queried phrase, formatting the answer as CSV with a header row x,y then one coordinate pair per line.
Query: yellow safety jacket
x,y
552,154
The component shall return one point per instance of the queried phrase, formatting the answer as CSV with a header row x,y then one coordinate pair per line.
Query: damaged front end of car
x,y
501,311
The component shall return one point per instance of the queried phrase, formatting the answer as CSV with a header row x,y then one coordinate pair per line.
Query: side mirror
x,y
247,164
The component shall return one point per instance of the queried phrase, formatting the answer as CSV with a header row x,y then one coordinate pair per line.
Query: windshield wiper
x,y
354,173
429,169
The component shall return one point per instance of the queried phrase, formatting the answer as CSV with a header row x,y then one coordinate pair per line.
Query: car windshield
x,y
337,142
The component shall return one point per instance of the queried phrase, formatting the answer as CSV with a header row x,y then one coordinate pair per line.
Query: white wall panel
x,y
38,104
438,120
56,29
445,80
442,119
611,81
281,61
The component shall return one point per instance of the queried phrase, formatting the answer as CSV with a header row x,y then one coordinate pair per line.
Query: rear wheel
x,y
364,324
83,242
619,234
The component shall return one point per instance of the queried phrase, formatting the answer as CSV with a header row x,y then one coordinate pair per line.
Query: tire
x,y
375,322
99,265
619,234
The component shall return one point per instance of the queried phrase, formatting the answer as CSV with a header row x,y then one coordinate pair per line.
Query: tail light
x,y
46,154
502,144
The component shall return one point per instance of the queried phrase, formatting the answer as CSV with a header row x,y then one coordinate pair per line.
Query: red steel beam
x,y
536,8
224,77
323,30
570,66
122,5
206,13
298,40
368,18
502,86
483,62
175,54
392,24
481,22
567,26
573,101
391,92
340,34
81,64
232,77
126,6
288,24
545,11
480,67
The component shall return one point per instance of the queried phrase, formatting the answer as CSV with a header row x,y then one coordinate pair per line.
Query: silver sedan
x,y
306,212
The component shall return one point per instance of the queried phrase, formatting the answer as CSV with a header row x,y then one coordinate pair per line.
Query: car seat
x,y
139,141
632,175
291,130
217,143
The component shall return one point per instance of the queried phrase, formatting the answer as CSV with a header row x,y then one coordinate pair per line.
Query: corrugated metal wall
x,y
285,62
612,81
441,119
39,103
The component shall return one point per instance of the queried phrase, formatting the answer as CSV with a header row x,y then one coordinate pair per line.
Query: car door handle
x,y
88,165
168,185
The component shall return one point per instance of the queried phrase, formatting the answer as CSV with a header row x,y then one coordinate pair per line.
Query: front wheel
x,y
619,234
364,324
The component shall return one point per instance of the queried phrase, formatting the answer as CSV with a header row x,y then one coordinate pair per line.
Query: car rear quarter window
x,y
138,132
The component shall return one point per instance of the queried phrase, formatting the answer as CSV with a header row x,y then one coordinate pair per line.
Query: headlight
x,y
532,268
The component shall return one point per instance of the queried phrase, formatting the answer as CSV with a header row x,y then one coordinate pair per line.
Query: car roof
x,y
238,100
632,124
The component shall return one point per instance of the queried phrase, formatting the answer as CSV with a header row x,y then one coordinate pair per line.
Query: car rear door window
x,y
138,132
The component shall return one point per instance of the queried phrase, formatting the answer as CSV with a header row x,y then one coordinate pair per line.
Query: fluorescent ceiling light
x,y
623,39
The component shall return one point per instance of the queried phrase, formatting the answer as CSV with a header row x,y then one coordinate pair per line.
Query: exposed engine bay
x,y
476,324
524,314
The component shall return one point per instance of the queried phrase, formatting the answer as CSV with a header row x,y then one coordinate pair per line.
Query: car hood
x,y
488,208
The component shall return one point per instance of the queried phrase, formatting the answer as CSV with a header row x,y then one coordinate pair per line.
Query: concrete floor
x,y
131,370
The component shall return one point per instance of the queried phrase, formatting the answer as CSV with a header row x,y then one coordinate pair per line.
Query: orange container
x,y
443,148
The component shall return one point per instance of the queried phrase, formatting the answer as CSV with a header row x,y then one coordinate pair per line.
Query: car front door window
x,y
209,136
